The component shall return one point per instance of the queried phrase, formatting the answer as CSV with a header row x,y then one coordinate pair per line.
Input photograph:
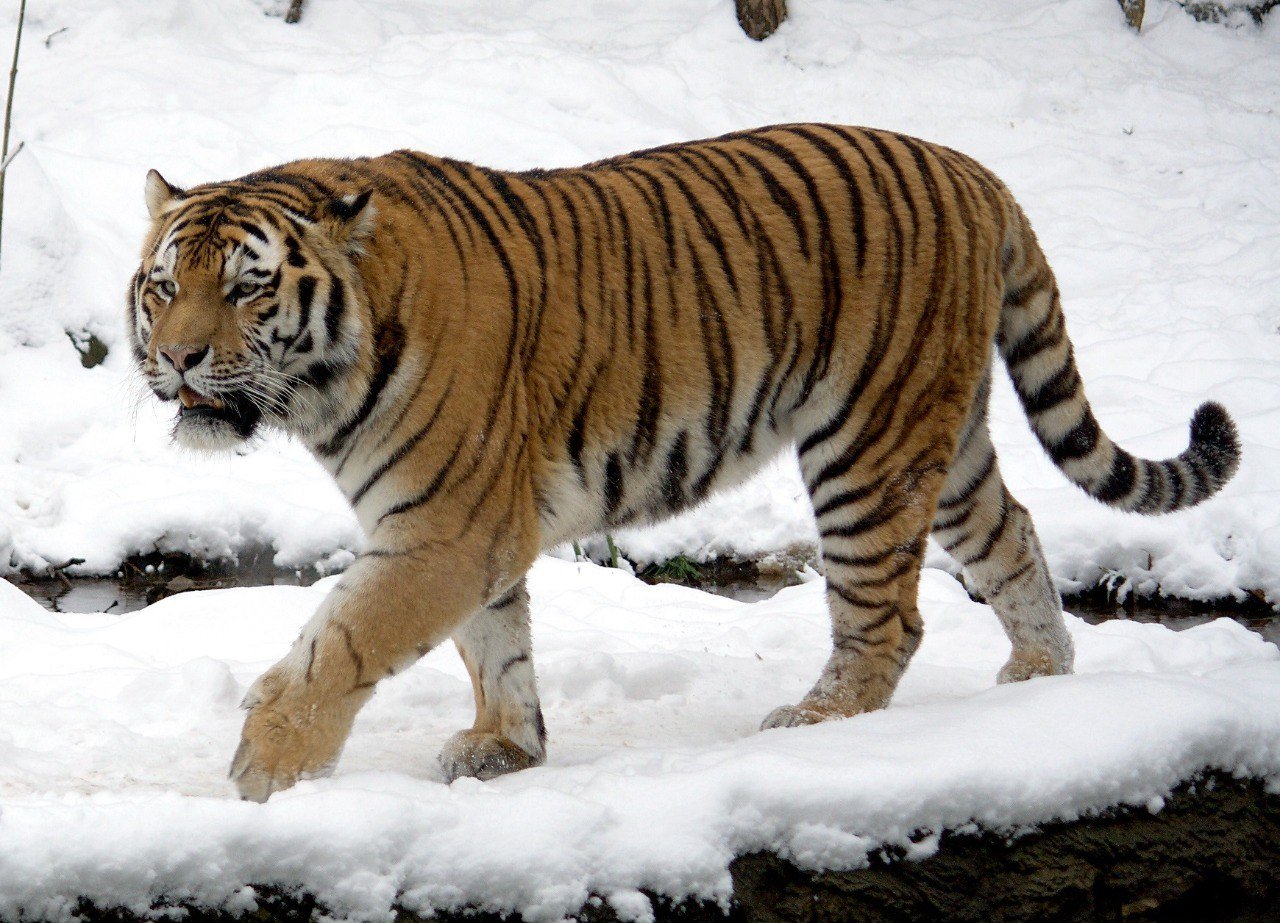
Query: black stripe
x,y
1047,336
612,484
971,485
992,539
995,589
844,498
954,521
782,198
306,291
1059,388
295,257
389,347
431,490
861,602
1120,479
320,374
862,631
834,157
1078,443
403,449
333,309
884,512
1018,296
577,438
864,560
677,470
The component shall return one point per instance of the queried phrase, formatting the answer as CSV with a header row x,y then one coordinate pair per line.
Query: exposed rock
x,y
1231,12
92,351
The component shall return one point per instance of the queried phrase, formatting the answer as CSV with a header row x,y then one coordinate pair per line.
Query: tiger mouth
x,y
231,410
192,398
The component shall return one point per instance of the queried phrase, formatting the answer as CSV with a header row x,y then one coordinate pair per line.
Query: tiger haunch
x,y
492,363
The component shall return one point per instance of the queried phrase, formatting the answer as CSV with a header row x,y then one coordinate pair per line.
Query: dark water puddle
x,y
144,581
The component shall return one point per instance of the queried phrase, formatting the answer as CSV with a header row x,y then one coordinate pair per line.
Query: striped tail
x,y
1032,338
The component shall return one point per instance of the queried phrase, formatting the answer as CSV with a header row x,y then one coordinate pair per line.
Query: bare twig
x,y
56,570
8,113
295,11
48,39
8,160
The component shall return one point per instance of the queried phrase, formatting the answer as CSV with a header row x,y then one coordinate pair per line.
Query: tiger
x,y
490,364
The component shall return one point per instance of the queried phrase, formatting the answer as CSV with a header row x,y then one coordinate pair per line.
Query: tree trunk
x,y
759,18
1133,11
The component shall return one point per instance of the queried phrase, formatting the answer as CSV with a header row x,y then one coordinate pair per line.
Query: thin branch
x,y
13,76
8,160
8,112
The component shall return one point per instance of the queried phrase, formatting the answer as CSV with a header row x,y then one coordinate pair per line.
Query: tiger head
x,y
247,307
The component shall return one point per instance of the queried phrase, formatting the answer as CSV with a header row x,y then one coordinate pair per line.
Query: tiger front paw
x,y
790,716
289,734
482,755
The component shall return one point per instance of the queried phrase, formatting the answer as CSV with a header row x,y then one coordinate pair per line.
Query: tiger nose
x,y
184,357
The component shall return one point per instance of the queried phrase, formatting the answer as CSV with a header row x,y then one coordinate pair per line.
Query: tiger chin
x,y
492,363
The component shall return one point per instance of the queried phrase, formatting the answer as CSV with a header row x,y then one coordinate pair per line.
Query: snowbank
x,y
1149,164
115,734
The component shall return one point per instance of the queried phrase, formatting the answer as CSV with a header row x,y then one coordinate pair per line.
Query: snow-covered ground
x,y
116,731
1150,165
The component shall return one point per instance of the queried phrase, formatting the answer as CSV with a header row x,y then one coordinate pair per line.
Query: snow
x,y
116,731
1150,165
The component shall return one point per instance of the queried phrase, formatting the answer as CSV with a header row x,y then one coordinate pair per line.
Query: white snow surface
x,y
116,731
1149,164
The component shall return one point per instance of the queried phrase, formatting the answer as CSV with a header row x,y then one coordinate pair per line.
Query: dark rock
x,y
1230,12
92,350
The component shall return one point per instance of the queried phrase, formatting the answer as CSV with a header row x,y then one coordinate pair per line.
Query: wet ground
x,y
143,581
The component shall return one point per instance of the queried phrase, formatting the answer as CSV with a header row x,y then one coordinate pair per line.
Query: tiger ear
x,y
160,194
350,219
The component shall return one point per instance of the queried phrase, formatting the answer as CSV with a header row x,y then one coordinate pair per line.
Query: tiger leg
x,y
388,610
988,532
508,733
873,538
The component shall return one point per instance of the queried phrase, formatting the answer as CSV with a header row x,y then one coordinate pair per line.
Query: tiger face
x,y
244,312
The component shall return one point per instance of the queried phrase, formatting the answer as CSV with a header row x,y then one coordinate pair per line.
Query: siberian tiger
x,y
492,363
